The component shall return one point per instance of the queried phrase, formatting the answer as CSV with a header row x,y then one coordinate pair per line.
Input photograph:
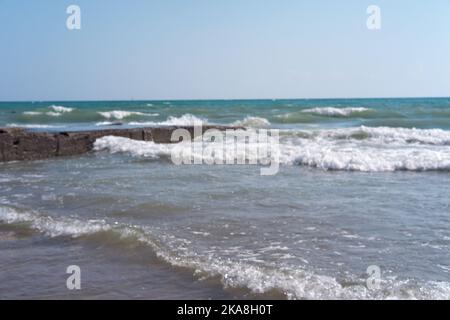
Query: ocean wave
x,y
136,148
295,117
32,113
190,120
353,149
32,126
153,151
61,109
292,281
51,226
379,134
104,123
56,111
184,120
252,122
120,114
354,157
333,111
369,149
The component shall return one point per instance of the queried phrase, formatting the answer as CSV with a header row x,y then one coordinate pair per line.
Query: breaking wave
x,y
292,281
136,148
369,149
60,109
32,126
190,120
333,111
120,114
353,149
184,120
252,122
55,111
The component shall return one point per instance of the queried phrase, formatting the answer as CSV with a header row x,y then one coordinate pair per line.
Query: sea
x,y
359,209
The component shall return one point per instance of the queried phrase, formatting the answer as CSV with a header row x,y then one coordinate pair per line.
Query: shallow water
x,y
348,196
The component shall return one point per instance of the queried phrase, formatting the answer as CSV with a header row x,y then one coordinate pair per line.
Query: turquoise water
x,y
361,183
407,113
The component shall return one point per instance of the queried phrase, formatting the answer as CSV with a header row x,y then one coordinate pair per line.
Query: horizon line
x,y
222,99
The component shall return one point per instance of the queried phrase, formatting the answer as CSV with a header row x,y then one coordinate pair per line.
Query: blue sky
x,y
223,49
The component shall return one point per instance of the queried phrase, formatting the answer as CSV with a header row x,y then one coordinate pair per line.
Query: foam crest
x,y
32,126
121,114
60,109
55,111
51,226
197,151
354,149
184,120
369,149
348,157
133,147
390,135
252,122
333,111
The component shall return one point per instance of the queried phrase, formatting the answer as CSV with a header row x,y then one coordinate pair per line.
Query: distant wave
x,y
184,120
32,126
189,120
32,113
252,122
56,111
353,149
120,114
291,281
108,123
332,111
61,109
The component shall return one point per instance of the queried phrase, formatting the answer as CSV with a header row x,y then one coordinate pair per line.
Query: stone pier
x,y
18,144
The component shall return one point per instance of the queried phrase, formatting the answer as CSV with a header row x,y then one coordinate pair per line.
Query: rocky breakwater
x,y
18,144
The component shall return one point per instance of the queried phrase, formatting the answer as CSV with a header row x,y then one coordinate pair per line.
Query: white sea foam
x,y
50,226
136,148
32,126
141,123
56,111
353,149
54,114
61,109
190,120
387,135
332,111
292,281
104,123
370,149
32,113
184,120
120,114
252,122
193,151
